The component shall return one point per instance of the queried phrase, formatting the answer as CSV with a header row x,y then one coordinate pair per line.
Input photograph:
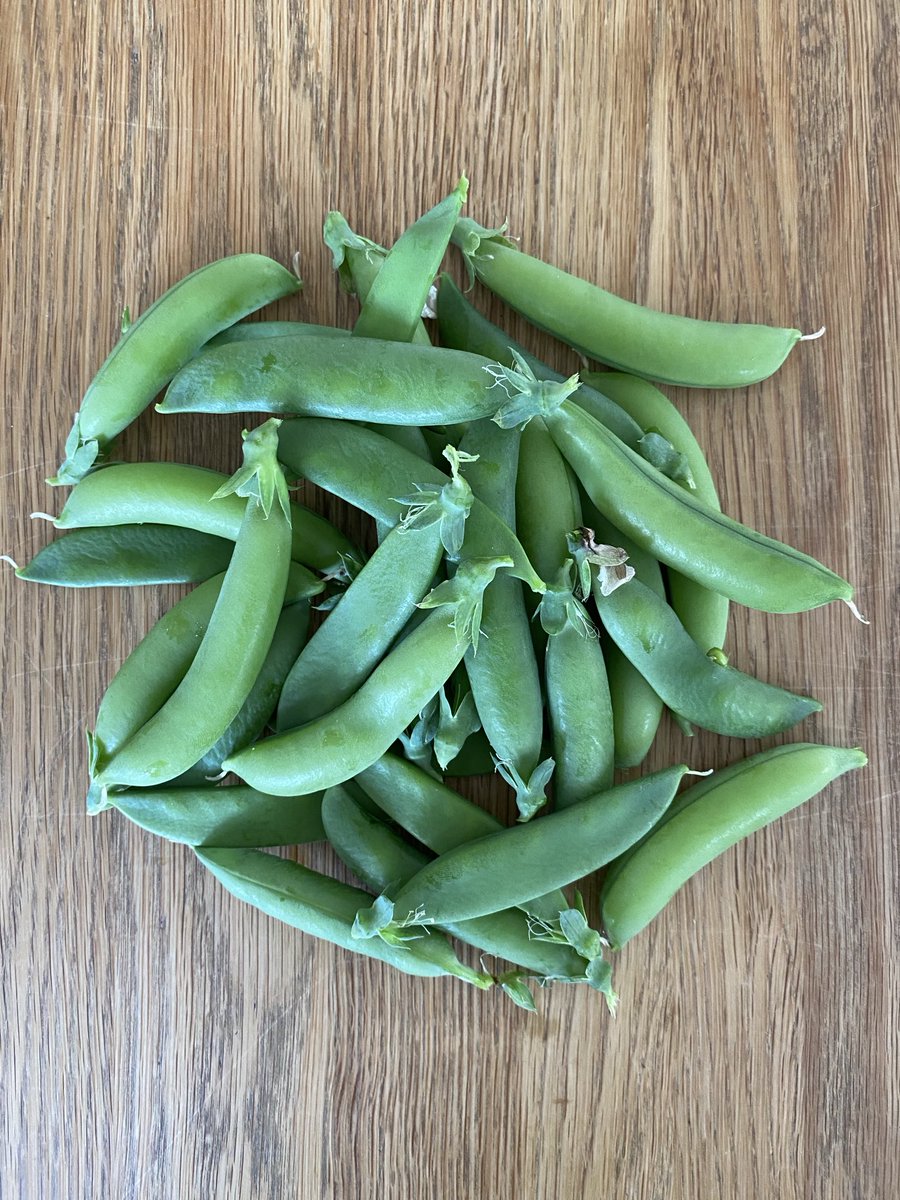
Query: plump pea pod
x,y
128,556
664,518
370,472
223,816
355,379
643,341
251,720
384,862
356,635
693,685
324,907
160,341
578,699
703,613
440,818
345,741
547,500
181,495
504,673
709,818
500,870
254,331
236,641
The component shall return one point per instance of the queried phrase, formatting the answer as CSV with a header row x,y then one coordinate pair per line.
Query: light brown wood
x,y
157,1039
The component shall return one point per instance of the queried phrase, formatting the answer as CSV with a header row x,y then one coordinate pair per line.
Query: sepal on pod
x,y
610,562
559,607
261,477
531,794
339,238
528,396
464,593
450,505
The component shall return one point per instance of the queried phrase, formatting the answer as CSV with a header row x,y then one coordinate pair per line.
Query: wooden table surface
x,y
157,1039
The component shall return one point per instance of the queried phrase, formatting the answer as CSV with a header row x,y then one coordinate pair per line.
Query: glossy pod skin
x,y
703,613
643,341
128,556
161,341
181,495
439,817
352,736
709,818
315,904
384,862
693,685
499,870
236,641
351,378
370,472
224,817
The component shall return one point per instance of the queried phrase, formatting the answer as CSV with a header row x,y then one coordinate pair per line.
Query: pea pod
x,y
345,741
161,341
254,331
315,904
709,818
642,341
501,870
225,817
181,495
237,638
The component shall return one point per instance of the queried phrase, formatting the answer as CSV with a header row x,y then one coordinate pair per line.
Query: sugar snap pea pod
x,y
160,341
711,817
547,500
223,816
665,519
345,741
578,699
498,871
253,331
384,861
703,613
643,341
440,818
237,638
182,495
357,634
700,689
350,378
370,472
128,556
324,907
504,673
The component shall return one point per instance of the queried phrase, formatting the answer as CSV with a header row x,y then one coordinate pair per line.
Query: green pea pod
x,y
703,613
500,870
161,341
236,641
225,817
356,635
709,818
345,741
355,379
128,556
254,331
384,862
176,494
315,904
370,472
642,341
692,684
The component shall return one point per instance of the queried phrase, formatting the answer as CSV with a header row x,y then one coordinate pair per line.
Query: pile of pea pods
x,y
553,570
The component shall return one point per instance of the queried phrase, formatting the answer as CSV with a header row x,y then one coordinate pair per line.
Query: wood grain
x,y
733,161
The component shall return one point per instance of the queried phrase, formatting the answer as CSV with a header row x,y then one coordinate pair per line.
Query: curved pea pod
x,y
642,341
703,613
345,741
371,472
160,341
384,861
128,556
181,495
324,907
350,378
236,640
255,331
502,869
709,818
225,817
